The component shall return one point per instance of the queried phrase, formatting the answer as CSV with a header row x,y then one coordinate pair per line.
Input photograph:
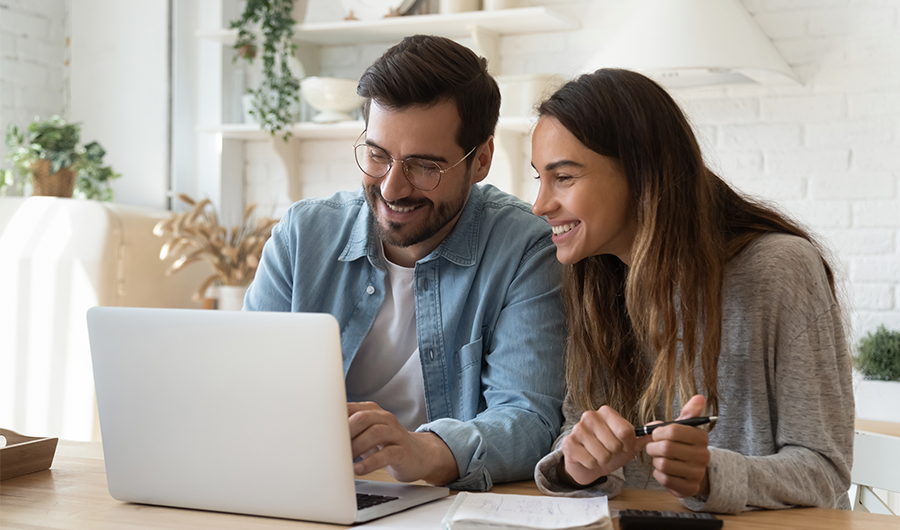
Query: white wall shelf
x,y
510,132
485,28
336,131
303,131
501,21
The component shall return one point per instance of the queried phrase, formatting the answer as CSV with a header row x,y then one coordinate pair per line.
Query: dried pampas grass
x,y
195,236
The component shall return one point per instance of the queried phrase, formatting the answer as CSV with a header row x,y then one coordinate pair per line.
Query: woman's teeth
x,y
562,229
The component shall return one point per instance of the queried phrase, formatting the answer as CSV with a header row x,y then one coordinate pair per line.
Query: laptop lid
x,y
229,411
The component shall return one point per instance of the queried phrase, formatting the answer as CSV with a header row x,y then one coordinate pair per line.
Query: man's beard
x,y
401,235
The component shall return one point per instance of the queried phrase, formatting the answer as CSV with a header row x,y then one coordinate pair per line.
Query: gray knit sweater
x,y
785,431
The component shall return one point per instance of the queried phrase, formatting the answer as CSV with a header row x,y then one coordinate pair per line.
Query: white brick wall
x,y
33,62
826,151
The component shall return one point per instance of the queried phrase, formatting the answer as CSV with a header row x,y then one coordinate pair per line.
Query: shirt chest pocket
x,y
469,356
468,360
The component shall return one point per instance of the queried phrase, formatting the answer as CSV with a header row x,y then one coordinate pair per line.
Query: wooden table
x,y
72,494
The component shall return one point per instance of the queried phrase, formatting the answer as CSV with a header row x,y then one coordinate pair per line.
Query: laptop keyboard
x,y
364,500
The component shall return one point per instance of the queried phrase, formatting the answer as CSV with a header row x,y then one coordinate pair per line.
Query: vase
x,y
877,400
247,107
45,184
491,5
299,11
459,6
231,297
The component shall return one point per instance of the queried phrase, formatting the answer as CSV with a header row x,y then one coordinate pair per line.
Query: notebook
x,y
231,411
494,511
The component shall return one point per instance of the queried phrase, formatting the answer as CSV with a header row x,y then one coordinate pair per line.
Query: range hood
x,y
686,43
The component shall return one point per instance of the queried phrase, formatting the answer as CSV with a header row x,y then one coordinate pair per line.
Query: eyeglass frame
x,y
403,163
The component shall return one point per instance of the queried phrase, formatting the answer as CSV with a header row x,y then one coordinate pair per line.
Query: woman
x,y
681,293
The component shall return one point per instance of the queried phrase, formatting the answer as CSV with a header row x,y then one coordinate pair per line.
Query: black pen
x,y
647,429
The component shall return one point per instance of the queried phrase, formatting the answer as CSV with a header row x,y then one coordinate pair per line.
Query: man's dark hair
x,y
427,70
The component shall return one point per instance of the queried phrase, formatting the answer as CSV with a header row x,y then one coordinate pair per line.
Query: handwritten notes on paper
x,y
490,511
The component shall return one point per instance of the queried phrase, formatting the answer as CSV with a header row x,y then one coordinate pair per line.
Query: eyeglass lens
x,y
375,162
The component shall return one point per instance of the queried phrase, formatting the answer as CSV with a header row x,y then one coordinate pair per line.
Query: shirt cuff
x,y
727,484
468,448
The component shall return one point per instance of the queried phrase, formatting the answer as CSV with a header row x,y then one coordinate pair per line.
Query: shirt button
x,y
370,290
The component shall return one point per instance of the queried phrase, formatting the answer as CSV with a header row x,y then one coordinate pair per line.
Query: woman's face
x,y
583,194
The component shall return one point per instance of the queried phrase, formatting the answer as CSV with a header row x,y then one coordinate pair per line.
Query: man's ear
x,y
484,155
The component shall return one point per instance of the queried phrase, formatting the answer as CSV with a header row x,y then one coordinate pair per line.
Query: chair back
x,y
876,466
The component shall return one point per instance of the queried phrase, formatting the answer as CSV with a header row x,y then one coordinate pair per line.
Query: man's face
x,y
412,222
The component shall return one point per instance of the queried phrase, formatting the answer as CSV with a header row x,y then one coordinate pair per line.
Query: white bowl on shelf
x,y
334,98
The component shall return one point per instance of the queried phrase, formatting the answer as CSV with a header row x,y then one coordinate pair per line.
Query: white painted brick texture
x,y
827,151
32,62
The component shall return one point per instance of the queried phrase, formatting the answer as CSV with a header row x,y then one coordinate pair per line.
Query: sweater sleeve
x,y
546,474
809,404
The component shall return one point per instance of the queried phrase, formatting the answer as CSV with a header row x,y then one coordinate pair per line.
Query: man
x,y
447,293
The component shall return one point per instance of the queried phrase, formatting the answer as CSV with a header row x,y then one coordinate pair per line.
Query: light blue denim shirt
x,y
490,322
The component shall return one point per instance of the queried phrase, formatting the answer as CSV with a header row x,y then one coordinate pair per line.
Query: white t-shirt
x,y
387,368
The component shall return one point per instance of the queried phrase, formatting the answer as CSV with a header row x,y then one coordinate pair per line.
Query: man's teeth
x,y
401,209
562,229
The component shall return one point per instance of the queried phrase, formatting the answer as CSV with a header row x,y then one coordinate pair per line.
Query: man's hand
x,y
377,436
681,454
600,443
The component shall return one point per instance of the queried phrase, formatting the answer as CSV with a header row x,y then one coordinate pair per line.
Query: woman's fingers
x,y
693,408
680,456
601,442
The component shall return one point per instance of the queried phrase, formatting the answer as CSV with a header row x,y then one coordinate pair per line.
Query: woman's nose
x,y
541,203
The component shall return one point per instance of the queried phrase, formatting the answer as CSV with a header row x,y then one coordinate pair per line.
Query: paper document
x,y
496,511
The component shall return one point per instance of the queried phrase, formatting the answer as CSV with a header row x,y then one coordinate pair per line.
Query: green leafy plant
x,y
879,355
273,100
56,141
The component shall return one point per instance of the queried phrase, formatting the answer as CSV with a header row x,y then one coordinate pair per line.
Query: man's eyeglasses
x,y
423,174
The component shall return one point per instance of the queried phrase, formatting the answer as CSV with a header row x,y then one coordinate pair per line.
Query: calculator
x,y
652,520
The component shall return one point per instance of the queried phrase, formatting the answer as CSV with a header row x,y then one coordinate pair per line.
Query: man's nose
x,y
394,185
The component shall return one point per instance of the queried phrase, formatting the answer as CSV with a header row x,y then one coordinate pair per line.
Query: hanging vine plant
x,y
280,90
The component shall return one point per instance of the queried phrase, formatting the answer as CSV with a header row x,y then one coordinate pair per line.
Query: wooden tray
x,y
25,454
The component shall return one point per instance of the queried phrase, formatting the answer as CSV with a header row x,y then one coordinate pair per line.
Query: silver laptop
x,y
231,411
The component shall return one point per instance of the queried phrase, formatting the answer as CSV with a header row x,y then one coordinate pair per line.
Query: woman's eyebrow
x,y
561,163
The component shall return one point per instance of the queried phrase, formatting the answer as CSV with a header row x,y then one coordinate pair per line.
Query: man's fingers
x,y
384,457
364,418
370,439
369,429
355,406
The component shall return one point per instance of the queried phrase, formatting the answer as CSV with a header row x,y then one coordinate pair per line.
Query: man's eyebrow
x,y
433,158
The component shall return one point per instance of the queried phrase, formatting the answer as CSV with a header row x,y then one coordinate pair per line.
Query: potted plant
x,y
47,156
279,92
878,376
195,235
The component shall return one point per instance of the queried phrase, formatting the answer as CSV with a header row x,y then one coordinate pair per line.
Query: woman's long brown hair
x,y
690,224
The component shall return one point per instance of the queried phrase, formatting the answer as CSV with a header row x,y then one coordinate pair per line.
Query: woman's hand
x,y
680,454
600,443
